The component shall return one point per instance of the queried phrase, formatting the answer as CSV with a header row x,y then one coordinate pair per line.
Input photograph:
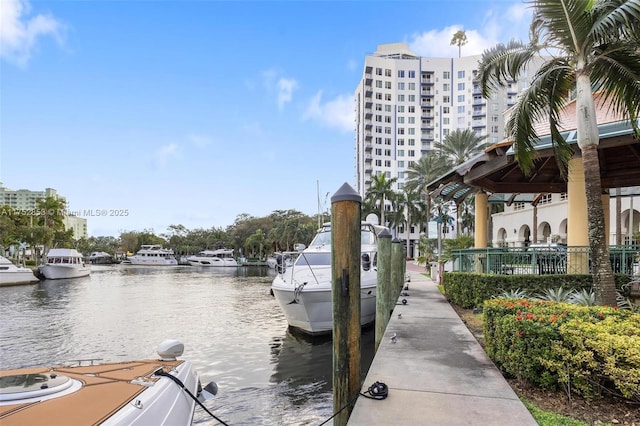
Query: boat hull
x,y
62,271
311,309
21,276
152,262
212,262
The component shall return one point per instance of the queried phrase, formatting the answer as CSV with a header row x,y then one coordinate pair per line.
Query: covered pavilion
x,y
496,172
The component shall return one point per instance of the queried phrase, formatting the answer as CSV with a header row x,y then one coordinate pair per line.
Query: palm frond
x,y
501,64
617,17
566,23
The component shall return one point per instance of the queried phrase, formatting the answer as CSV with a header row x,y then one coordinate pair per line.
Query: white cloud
x,y
498,26
19,33
337,113
166,153
286,87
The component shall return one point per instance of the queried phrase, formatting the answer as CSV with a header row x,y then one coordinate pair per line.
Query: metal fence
x,y
549,259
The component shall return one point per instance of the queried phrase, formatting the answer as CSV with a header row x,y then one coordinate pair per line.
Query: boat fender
x,y
366,261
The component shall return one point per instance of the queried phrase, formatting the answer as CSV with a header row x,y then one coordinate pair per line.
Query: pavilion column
x,y
481,206
480,242
577,224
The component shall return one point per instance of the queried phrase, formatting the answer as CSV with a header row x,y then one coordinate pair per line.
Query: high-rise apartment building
x,y
405,103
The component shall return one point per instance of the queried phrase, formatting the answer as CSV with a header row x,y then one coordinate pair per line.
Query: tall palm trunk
x,y
588,140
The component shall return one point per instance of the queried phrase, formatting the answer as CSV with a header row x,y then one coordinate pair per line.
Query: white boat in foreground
x,y
64,263
303,291
124,393
153,255
11,274
220,257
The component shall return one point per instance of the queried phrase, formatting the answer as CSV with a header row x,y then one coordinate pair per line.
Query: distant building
x,y
24,199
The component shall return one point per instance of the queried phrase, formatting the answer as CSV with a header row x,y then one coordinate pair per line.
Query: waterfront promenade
x,y
435,370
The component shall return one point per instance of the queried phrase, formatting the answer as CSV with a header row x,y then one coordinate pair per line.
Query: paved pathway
x,y
436,371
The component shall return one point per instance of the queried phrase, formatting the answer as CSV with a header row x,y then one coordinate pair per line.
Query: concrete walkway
x,y
436,371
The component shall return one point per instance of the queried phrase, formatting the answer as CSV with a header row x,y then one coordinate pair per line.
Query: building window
x,y
460,98
460,74
387,108
378,107
446,100
518,206
379,84
412,98
387,119
378,151
460,86
401,73
387,130
378,140
563,196
387,97
446,87
400,108
400,175
379,96
401,164
445,120
387,72
387,141
400,98
545,199
445,110
412,120
412,74
387,152
412,109
378,118
401,153
446,75
412,131
378,163
461,109
401,130
400,142
400,86
412,86
460,121
412,142
378,71
378,129
387,163
412,153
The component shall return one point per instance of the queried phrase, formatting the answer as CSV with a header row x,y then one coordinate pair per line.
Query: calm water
x,y
232,329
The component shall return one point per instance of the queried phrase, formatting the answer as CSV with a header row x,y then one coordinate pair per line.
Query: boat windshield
x,y
367,236
314,259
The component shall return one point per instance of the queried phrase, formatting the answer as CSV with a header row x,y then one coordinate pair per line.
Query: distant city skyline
x,y
193,113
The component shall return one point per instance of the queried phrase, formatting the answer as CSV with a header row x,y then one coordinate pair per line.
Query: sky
x,y
145,114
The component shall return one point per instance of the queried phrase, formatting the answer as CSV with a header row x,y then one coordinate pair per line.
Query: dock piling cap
x,y
346,193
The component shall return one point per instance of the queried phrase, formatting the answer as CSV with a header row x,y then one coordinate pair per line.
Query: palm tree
x,y
381,189
461,145
430,166
594,45
459,39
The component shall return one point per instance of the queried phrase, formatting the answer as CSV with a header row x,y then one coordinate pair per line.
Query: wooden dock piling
x,y
397,269
384,290
345,288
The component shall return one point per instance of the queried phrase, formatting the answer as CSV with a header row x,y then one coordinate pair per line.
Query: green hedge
x,y
584,350
470,290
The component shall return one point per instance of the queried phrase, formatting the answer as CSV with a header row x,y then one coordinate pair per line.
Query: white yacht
x,y
220,257
160,391
100,258
11,274
153,255
303,290
64,263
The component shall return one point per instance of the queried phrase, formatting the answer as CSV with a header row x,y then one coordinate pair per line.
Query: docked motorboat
x,y
160,391
303,290
64,263
153,255
101,258
280,258
11,274
219,257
